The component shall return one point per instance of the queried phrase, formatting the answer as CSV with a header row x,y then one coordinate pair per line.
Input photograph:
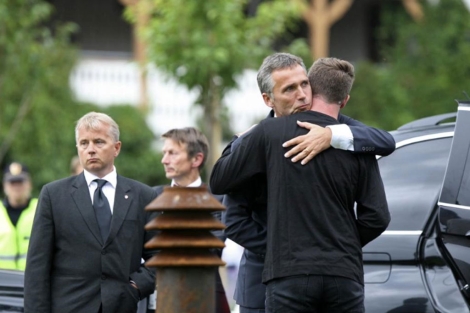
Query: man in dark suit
x,y
184,155
87,242
246,207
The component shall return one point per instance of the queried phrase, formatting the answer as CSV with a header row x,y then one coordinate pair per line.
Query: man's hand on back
x,y
306,147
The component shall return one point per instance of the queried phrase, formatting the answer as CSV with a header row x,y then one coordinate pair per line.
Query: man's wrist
x,y
341,137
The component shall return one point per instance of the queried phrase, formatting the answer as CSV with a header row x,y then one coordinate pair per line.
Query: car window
x,y
463,197
413,177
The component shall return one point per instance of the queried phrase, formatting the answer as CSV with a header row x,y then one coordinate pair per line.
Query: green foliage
x,y
37,112
205,45
137,159
425,68
299,47
195,41
377,99
226,125
35,99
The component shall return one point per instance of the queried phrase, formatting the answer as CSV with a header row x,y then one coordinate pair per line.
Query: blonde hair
x,y
93,120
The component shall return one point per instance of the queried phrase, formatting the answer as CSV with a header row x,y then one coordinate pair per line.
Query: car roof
x,y
426,128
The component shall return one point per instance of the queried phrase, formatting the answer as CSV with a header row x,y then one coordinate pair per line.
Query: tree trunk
x,y
320,34
212,121
320,16
210,99
141,9
414,8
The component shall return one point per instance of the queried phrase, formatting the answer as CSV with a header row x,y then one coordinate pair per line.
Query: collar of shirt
x,y
196,183
109,189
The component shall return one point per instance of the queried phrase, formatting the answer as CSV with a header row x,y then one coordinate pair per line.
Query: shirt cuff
x,y
341,137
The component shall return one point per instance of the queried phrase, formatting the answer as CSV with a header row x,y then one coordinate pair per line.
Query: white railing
x,y
116,81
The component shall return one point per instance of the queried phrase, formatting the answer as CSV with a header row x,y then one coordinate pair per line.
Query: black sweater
x,y
312,226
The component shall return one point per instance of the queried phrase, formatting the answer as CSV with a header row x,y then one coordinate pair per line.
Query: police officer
x,y
16,216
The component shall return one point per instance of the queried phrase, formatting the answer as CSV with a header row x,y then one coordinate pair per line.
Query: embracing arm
x,y
368,139
37,285
373,215
241,227
239,164
351,135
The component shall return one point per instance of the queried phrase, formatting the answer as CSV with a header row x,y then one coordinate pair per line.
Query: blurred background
x,y
154,65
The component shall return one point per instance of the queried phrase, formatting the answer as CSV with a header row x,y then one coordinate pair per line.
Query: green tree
x,y
424,67
207,44
35,62
137,160
37,110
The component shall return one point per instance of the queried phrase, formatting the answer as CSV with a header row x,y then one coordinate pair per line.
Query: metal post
x,y
186,267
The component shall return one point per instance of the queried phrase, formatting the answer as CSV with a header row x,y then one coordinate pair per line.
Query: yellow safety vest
x,y
14,241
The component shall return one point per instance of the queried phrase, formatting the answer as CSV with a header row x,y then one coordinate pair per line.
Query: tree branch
x,y
337,10
22,111
413,7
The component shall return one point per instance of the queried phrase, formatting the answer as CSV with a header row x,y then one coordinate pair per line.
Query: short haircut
x,y
196,142
331,78
276,61
93,120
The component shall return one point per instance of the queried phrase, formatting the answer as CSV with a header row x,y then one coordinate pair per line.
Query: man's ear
x,y
197,160
343,103
117,148
267,100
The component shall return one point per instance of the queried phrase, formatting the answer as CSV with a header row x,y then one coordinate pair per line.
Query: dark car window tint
x,y
463,197
413,176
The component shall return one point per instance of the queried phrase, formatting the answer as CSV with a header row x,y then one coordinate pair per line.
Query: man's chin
x,y
93,168
299,110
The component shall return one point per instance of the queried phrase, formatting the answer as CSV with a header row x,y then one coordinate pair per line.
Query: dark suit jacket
x,y
69,268
246,213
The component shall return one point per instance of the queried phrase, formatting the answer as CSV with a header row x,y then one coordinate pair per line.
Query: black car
x,y
11,291
421,263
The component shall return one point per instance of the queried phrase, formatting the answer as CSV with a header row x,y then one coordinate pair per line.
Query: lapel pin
x,y
126,196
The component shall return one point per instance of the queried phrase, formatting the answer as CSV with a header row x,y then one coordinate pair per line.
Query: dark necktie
x,y
102,209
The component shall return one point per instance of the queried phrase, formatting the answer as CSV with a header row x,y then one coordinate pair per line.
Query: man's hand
x,y
306,147
133,284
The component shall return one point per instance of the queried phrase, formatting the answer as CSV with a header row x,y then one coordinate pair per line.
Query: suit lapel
x,y
122,200
81,197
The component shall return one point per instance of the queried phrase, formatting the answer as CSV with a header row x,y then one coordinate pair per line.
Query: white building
x,y
116,81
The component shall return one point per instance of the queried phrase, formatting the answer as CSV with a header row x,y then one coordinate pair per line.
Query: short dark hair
x,y
196,142
331,78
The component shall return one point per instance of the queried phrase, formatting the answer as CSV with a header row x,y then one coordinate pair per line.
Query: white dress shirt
x,y
196,183
109,189
341,137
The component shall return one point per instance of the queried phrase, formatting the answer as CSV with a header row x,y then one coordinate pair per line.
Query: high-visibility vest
x,y
14,241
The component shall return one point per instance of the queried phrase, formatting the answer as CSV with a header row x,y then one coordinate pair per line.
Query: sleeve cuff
x,y
341,137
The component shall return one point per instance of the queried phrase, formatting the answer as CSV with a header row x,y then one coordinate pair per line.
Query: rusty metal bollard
x,y
186,267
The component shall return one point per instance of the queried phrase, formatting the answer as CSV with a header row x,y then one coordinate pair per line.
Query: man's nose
x,y
302,94
91,148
